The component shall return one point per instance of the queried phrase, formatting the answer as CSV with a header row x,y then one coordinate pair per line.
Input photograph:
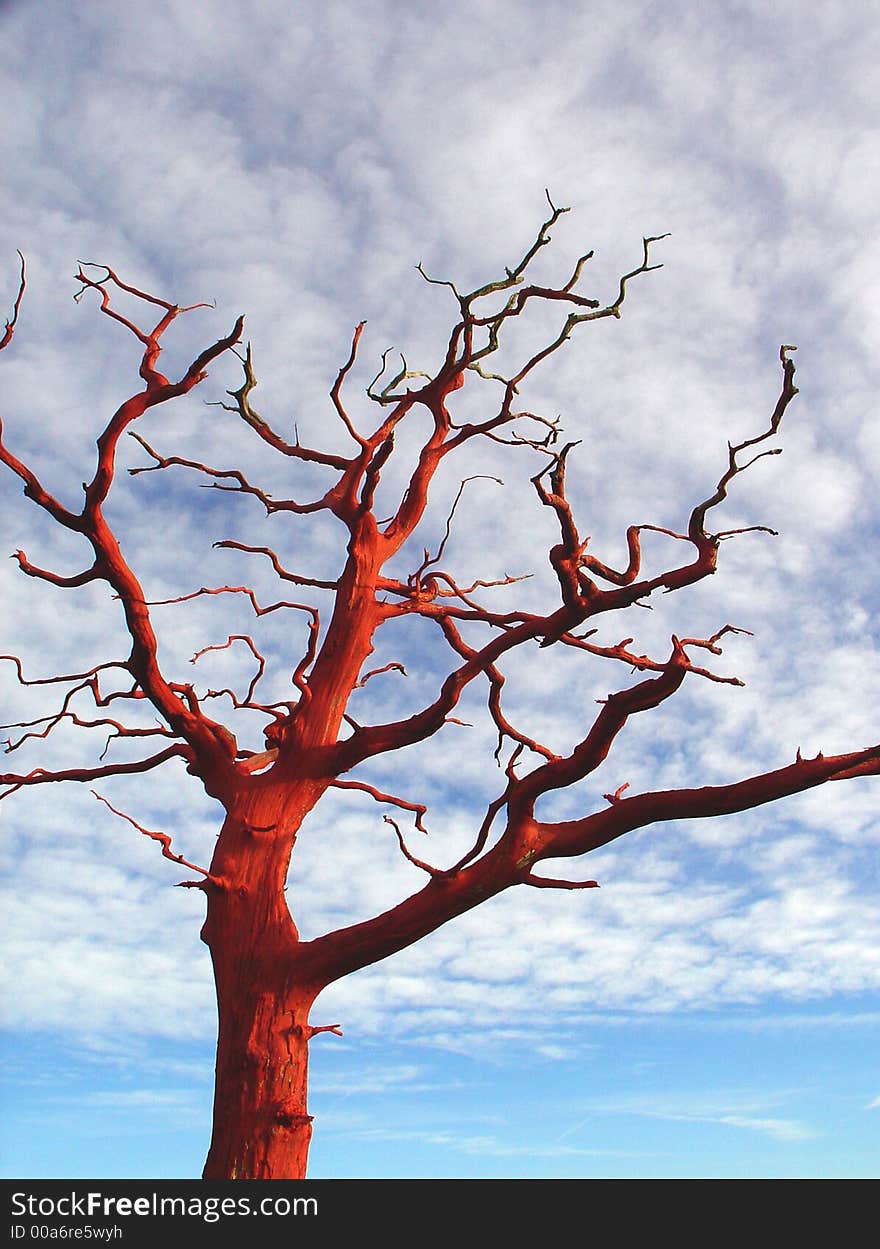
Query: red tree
x,y
267,978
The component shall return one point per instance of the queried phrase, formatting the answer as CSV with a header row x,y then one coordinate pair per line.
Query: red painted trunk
x,y
261,1126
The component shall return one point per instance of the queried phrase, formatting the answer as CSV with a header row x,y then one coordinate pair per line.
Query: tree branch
x,y
162,838
575,837
259,426
418,808
295,578
12,322
696,528
43,776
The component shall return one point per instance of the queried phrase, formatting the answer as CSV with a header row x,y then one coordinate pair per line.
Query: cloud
x,y
736,1110
488,1146
408,1078
787,1130
136,1099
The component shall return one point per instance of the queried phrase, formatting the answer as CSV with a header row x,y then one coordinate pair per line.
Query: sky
x,y
712,1010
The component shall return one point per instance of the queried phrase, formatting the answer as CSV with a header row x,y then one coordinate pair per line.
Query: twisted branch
x,y
162,838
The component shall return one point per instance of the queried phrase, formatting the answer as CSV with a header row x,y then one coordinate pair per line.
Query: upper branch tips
x,y
9,329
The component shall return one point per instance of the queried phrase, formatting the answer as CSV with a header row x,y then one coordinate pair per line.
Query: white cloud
x,y
728,1109
407,1079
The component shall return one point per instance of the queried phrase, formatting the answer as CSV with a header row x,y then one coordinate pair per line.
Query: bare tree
x,y
267,978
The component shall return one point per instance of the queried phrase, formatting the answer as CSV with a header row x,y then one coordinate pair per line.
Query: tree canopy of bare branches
x,y
267,977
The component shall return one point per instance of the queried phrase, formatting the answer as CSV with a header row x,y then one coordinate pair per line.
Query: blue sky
x,y
713,1009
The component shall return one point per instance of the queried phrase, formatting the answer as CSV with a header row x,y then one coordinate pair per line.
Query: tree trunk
x,y
262,1127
